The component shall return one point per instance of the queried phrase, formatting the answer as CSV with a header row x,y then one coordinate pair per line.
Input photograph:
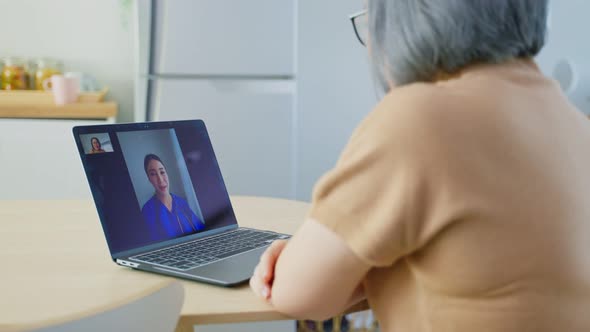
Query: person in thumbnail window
x,y
166,213
96,146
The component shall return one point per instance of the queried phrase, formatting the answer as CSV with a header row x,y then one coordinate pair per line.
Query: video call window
x,y
161,182
96,143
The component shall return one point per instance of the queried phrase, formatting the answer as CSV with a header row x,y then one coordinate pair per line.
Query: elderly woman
x,y
461,201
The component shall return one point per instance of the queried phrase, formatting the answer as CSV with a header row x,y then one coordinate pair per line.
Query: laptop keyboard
x,y
192,254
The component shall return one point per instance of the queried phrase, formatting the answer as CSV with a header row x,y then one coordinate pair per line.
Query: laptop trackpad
x,y
232,270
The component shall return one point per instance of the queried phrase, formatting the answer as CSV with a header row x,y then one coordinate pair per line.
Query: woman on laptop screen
x,y
96,146
166,213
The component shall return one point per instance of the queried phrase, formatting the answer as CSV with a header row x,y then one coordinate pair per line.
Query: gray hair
x,y
414,40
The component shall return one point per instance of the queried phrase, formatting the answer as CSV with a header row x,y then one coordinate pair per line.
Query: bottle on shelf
x,y
15,74
43,69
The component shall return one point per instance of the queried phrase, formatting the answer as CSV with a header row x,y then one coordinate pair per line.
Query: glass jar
x,y
44,68
1,71
15,75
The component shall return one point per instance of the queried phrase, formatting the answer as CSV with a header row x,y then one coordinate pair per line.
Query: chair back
x,y
157,310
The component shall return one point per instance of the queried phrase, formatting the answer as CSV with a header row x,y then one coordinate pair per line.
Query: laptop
x,y
163,204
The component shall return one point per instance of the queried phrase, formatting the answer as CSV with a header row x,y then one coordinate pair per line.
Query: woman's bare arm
x,y
317,275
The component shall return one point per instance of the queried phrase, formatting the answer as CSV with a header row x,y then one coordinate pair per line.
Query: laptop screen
x,y
153,182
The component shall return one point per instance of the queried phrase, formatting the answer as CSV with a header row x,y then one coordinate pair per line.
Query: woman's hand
x,y
261,281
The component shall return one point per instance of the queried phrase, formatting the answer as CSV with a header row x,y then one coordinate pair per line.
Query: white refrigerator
x,y
280,84
232,64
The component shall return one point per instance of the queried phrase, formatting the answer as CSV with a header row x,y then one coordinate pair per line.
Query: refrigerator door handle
x,y
253,86
143,30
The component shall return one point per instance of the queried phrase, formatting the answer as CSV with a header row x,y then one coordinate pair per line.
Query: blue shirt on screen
x,y
164,224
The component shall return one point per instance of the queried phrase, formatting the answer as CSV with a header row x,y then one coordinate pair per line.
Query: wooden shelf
x,y
102,110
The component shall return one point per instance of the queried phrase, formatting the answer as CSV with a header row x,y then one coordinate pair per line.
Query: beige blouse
x,y
470,197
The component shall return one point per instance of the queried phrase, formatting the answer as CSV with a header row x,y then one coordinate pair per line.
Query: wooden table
x,y
56,266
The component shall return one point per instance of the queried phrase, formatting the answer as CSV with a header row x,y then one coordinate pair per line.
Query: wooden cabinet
x,y
38,156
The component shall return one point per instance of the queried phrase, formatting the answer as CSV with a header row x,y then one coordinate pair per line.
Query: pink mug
x,y
65,89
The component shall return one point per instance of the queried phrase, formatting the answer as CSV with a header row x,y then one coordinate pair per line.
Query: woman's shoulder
x,y
411,104
149,205
406,113
412,121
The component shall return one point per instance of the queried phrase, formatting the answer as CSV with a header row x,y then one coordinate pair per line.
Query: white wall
x,y
567,39
334,86
93,36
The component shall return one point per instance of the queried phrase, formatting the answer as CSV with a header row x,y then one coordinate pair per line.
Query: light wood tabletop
x,y
56,266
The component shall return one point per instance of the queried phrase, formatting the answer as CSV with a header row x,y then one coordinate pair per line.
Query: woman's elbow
x,y
300,304
300,311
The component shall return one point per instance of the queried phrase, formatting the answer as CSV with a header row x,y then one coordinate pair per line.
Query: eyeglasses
x,y
360,26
